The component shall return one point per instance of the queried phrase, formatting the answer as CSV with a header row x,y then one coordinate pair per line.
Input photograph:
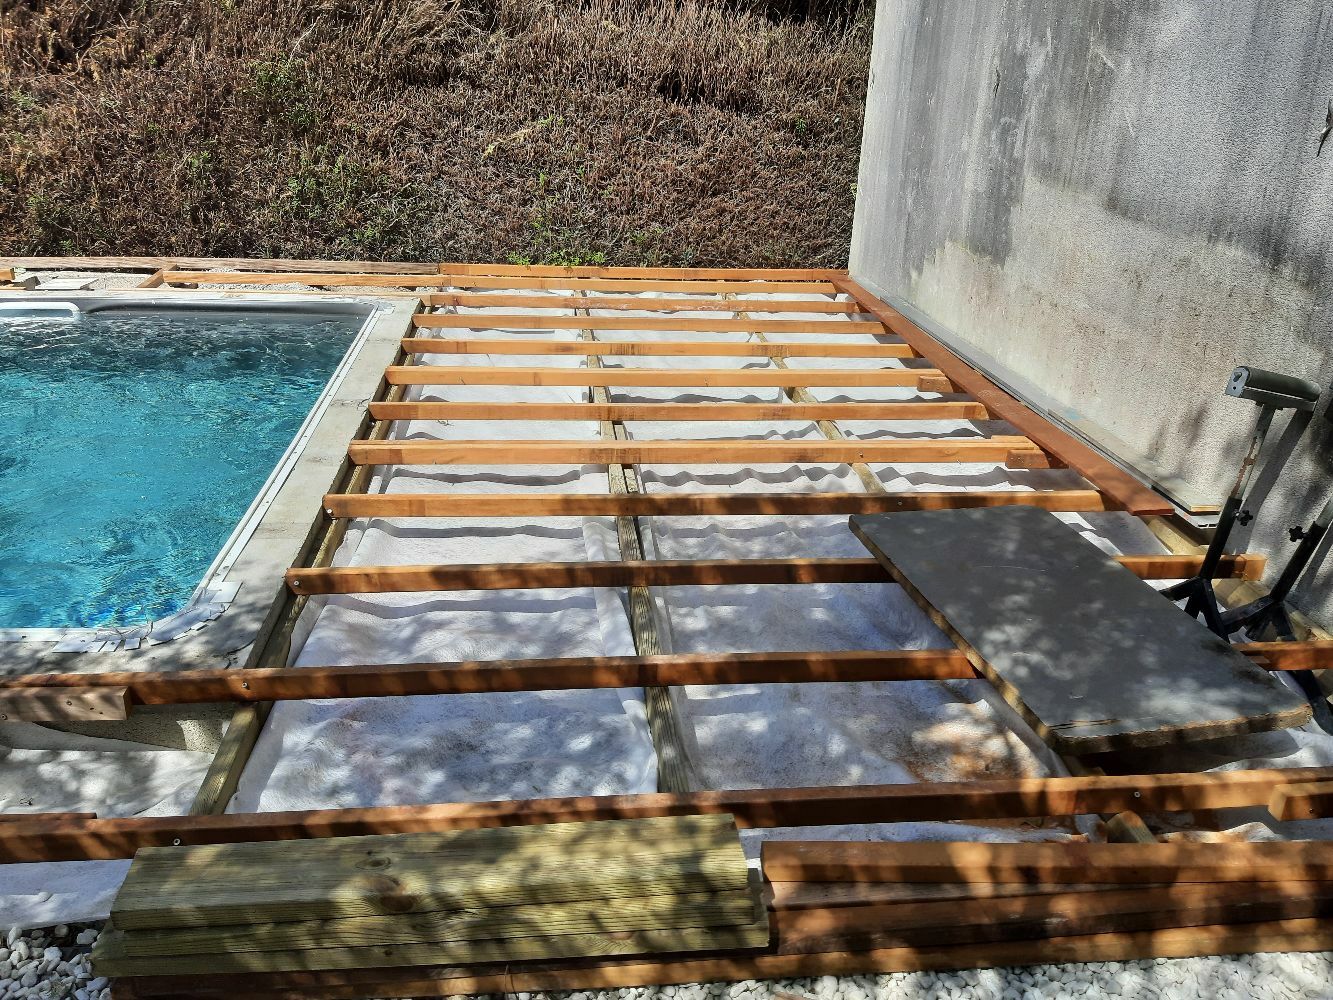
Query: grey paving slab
x,y
1093,657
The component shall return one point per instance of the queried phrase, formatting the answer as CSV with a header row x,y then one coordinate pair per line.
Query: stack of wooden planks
x,y
673,884
980,899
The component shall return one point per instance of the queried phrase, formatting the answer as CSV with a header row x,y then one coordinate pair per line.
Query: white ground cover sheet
x,y
324,754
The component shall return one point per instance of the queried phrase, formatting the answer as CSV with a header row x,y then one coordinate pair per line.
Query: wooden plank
x,y
1308,800
228,763
1047,862
1026,917
493,300
688,452
406,280
359,877
107,961
35,704
1016,798
44,817
1128,492
790,897
1092,659
726,377
651,348
6,274
1310,934
261,684
262,264
691,324
600,271
693,504
658,573
649,912
758,412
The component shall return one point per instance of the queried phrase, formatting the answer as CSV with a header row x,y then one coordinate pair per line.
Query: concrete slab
x,y
1093,657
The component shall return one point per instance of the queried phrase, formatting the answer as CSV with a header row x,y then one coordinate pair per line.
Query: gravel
x,y
52,963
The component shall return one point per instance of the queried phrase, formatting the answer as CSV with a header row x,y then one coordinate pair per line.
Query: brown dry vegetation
x,y
546,131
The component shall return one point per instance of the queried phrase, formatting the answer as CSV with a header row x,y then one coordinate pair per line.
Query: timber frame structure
x,y
832,303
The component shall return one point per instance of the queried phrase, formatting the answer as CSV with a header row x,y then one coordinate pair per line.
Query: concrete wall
x,y
1113,205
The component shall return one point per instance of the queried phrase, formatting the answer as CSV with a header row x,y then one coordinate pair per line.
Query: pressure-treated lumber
x,y
667,573
968,921
690,452
1047,862
221,884
688,504
259,684
652,348
758,412
494,300
100,704
631,285
454,934
705,377
537,946
1015,798
1127,491
691,324
1309,800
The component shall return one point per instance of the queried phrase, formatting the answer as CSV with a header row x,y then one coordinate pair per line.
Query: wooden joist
x,y
1015,798
266,684
652,348
692,324
687,412
1128,492
924,379
1311,800
324,279
1049,862
688,504
37,704
494,300
1308,934
1009,450
670,573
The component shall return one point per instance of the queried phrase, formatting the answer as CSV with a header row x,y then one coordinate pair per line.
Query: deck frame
x,y
827,301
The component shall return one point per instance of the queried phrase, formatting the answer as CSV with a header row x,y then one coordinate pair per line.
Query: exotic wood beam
x,y
756,412
924,379
1016,798
691,324
669,573
651,348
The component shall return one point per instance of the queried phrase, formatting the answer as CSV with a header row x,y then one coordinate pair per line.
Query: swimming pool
x,y
136,437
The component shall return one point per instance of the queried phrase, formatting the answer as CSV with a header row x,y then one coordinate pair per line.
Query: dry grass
x,y
551,131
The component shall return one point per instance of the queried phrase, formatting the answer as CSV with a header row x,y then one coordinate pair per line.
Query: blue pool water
x,y
132,445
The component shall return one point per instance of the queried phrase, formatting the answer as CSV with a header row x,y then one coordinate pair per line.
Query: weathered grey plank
x,y
1092,657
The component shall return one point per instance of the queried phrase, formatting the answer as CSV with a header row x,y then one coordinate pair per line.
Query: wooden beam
x,y
727,273
494,300
689,504
379,280
1128,492
651,348
36,704
1310,800
664,573
692,324
756,412
1047,862
690,452
1015,798
261,684
519,375
1308,934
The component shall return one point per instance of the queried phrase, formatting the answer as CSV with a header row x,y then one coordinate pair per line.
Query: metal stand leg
x,y
1199,590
